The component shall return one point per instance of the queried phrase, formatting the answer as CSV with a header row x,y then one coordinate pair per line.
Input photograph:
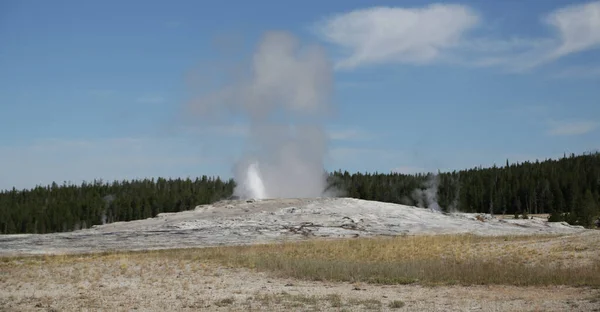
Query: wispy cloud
x,y
443,33
578,28
545,117
509,45
405,35
516,55
572,127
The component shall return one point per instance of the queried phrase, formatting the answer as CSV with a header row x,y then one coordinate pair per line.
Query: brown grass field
x,y
406,273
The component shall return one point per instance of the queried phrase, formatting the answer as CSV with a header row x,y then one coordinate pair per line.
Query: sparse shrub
x,y
335,300
123,266
224,302
370,304
524,215
396,304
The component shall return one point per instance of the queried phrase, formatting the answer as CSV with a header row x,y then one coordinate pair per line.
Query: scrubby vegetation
x,y
426,260
567,188
261,277
441,259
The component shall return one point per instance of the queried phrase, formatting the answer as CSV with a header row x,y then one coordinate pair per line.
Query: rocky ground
x,y
241,222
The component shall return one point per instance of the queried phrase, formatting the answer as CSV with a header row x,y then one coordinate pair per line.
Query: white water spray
x,y
254,182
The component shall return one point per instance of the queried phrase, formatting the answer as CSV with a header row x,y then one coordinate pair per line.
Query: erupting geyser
x,y
254,183
283,100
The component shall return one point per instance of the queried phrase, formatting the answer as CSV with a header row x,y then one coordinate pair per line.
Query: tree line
x,y
67,207
567,188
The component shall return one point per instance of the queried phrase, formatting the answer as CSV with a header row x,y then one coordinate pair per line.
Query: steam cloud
x,y
427,198
285,98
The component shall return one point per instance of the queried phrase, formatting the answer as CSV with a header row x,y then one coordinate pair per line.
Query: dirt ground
x,y
125,281
121,281
170,286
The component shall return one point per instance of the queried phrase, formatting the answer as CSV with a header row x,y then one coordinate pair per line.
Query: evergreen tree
x,y
567,188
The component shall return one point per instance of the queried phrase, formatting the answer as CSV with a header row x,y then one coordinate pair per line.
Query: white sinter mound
x,y
247,222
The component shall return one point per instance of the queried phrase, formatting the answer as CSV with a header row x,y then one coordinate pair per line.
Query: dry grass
x,y
396,304
371,304
218,278
429,260
442,259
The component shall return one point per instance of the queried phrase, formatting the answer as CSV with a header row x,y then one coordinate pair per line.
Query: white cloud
x,y
441,32
406,35
572,128
59,160
578,28
512,55
491,45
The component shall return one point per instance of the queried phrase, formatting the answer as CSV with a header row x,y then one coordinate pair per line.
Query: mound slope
x,y
248,222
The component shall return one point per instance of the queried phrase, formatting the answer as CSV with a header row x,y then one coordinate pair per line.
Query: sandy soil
x,y
241,222
119,284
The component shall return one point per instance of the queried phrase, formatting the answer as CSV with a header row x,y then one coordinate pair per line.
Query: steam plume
x,y
284,97
427,198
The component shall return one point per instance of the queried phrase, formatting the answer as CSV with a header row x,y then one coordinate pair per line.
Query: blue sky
x,y
98,89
